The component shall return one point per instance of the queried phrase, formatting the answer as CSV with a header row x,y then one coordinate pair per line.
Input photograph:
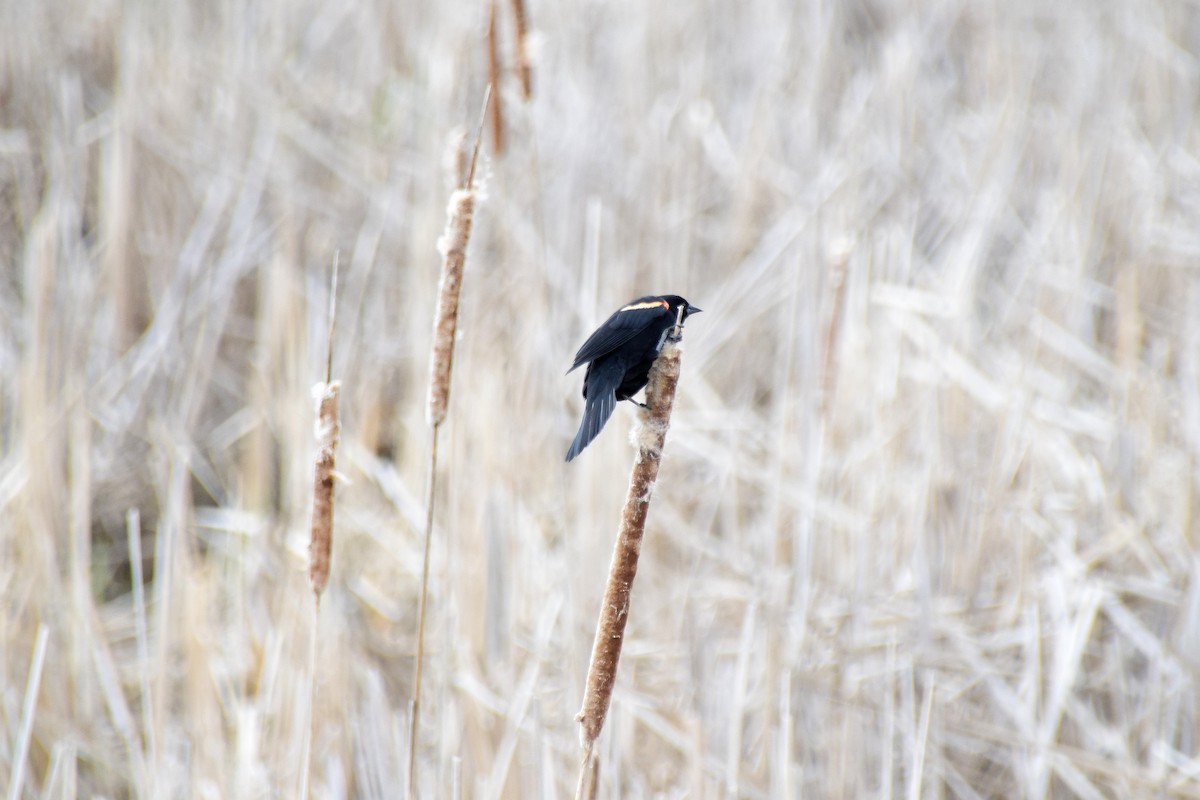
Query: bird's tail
x,y
596,412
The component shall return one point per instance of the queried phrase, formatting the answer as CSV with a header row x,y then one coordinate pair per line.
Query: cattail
x,y
320,543
327,429
493,48
453,247
524,70
321,540
651,435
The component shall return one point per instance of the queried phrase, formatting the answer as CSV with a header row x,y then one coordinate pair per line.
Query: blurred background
x,y
924,526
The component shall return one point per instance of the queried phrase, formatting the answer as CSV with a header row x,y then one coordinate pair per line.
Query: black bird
x,y
619,355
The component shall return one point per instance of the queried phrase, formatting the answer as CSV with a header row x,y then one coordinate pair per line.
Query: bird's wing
x,y
622,326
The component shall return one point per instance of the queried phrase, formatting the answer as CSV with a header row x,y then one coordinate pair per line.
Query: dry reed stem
x,y
133,529
455,159
308,713
28,711
1033,477
415,710
593,784
655,419
589,775
837,301
493,48
524,70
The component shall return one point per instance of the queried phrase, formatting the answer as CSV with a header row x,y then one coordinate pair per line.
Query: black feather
x,y
622,326
619,355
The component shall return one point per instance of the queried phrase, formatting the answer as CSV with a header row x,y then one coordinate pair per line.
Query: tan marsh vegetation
x,y
924,521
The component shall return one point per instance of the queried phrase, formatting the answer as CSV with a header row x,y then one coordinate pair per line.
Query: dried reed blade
x,y
837,301
28,711
133,530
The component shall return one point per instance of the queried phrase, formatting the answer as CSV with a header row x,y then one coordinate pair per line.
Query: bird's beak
x,y
693,310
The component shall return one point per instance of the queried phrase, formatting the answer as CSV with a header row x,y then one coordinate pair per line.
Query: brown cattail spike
x,y
321,540
453,247
655,419
327,428
493,48
524,70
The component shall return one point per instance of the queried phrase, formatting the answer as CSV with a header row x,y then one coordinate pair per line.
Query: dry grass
x,y
970,571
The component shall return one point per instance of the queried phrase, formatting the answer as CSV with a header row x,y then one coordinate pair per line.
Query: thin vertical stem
x,y
430,487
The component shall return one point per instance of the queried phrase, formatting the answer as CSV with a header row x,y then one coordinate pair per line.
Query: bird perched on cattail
x,y
619,355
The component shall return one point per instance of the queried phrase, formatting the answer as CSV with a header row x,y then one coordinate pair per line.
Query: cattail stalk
x,y
320,542
589,776
655,419
453,247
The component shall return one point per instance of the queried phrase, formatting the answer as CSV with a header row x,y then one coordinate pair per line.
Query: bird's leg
x,y
671,334
636,403
675,332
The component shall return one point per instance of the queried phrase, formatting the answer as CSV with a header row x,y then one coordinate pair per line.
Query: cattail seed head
x,y
497,106
524,68
453,247
327,429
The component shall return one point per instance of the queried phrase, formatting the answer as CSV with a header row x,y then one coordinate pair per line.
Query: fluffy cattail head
x,y
453,247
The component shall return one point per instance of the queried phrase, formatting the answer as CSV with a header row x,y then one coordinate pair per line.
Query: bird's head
x,y
675,302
